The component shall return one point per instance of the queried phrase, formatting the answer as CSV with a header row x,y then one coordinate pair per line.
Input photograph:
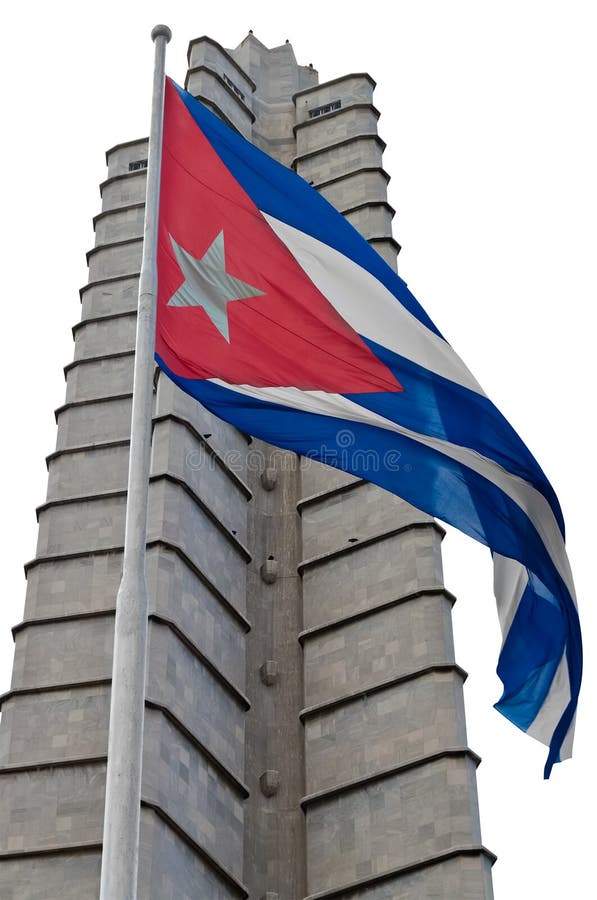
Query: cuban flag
x,y
281,319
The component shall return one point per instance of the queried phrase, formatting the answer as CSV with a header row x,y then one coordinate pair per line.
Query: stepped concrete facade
x,y
304,721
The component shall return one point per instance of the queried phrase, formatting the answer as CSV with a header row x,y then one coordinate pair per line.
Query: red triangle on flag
x,y
288,333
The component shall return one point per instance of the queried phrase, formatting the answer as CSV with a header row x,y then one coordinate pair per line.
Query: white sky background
x,y
488,110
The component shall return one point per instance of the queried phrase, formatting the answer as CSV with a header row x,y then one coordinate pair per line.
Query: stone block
x,y
71,586
225,93
385,825
70,876
360,513
227,441
179,680
205,52
460,878
331,163
370,575
171,869
81,526
50,807
55,725
191,790
356,188
120,224
63,652
96,422
102,378
385,644
344,123
177,450
348,88
177,594
387,728
124,190
371,221
98,338
318,478
119,157
108,297
115,260
174,516
88,472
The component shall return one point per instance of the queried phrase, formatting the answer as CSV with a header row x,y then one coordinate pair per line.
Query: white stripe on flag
x,y
558,698
370,308
520,491
509,581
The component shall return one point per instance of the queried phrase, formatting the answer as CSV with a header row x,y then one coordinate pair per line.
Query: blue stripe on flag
x,y
442,487
531,640
431,404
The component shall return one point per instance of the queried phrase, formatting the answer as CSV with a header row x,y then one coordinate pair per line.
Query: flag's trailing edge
x,y
281,319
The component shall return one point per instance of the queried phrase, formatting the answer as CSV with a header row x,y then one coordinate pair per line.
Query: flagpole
x,y
125,742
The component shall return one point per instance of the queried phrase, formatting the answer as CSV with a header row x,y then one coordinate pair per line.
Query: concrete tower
x,y
304,721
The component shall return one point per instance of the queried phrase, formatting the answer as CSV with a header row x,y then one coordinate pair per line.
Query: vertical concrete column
x,y
391,804
54,724
274,854
215,78
339,151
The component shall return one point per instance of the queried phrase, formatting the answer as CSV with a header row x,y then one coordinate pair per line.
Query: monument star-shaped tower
x,y
304,723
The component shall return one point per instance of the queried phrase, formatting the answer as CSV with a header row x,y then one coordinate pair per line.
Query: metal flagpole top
x,y
161,31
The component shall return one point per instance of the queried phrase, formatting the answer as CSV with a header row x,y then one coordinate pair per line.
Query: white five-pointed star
x,y
208,284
